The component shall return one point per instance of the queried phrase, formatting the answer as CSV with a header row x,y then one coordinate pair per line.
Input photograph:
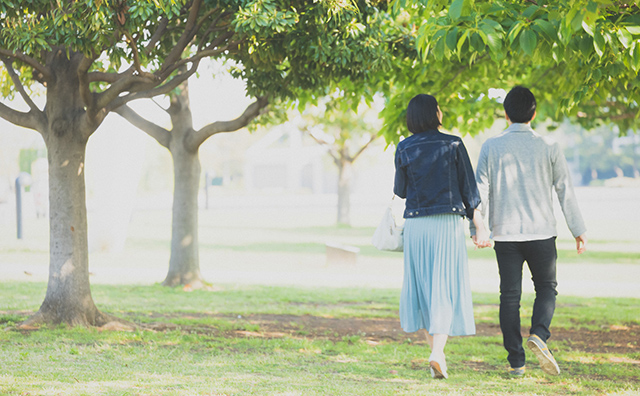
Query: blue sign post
x,y
24,179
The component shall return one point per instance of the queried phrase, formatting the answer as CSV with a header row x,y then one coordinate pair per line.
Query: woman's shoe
x,y
438,369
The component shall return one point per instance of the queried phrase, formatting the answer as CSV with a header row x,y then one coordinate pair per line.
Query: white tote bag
x,y
388,236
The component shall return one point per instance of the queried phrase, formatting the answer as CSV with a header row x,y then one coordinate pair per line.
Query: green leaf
x,y
476,42
624,37
452,38
585,45
493,24
547,29
598,43
455,11
438,50
513,32
633,29
461,40
589,22
495,43
528,41
528,13
576,21
557,53
636,59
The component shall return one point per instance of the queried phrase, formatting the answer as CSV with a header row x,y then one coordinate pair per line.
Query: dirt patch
x,y
612,339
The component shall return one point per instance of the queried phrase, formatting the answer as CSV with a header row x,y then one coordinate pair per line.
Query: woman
x,y
434,174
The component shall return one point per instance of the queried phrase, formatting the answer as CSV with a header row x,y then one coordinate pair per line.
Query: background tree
x,y
76,51
183,143
280,62
346,128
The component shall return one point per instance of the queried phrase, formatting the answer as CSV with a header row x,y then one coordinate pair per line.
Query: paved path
x,y
588,280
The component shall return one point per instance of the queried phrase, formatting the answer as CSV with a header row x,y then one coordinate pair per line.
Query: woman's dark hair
x,y
422,114
520,105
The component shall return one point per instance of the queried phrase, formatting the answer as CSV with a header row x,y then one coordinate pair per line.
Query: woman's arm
x,y
400,182
466,180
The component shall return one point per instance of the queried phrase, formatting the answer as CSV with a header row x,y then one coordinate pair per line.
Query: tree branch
x,y
185,38
356,155
160,134
29,61
16,81
103,77
331,149
251,112
28,120
136,57
159,90
121,85
194,59
153,40
211,28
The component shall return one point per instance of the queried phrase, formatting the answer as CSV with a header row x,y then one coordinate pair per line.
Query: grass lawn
x,y
259,340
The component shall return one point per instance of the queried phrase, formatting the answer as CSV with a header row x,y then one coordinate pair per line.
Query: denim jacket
x,y
434,174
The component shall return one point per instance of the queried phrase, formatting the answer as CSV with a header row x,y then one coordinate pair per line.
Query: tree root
x,y
102,321
188,285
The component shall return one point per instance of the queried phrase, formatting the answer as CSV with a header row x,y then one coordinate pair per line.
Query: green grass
x,y
320,235
206,351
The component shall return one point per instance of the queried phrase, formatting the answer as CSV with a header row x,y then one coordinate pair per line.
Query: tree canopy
x,y
94,56
582,57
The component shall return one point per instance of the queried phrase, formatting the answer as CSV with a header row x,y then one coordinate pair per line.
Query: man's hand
x,y
581,243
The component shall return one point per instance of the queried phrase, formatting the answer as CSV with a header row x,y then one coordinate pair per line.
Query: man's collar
x,y
518,127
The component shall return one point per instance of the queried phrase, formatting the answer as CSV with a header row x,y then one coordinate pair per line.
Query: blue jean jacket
x,y
434,174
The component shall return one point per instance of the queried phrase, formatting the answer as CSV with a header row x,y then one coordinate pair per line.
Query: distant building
x,y
285,160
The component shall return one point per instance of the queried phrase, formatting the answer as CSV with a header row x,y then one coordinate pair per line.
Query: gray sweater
x,y
517,171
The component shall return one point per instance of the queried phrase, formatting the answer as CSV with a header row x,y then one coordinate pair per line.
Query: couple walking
x,y
516,173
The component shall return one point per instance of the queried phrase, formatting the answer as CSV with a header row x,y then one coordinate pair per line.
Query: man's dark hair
x,y
520,105
422,114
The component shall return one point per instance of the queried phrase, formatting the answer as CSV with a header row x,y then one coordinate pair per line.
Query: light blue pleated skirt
x,y
436,294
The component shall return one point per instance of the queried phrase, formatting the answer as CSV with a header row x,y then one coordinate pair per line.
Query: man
x,y
517,171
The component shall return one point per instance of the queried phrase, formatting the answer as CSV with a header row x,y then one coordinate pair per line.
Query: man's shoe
x,y
539,348
516,372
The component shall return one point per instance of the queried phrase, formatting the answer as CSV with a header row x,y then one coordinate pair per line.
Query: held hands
x,y
481,238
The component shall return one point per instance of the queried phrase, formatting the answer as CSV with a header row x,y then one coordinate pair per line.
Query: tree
x,y
346,130
183,143
280,64
92,57
576,53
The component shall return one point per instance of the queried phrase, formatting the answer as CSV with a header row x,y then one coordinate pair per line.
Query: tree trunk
x,y
68,297
184,265
345,175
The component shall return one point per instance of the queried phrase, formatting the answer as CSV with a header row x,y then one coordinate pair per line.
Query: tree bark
x,y
345,176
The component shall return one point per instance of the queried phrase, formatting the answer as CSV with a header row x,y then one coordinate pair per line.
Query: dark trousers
x,y
541,257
